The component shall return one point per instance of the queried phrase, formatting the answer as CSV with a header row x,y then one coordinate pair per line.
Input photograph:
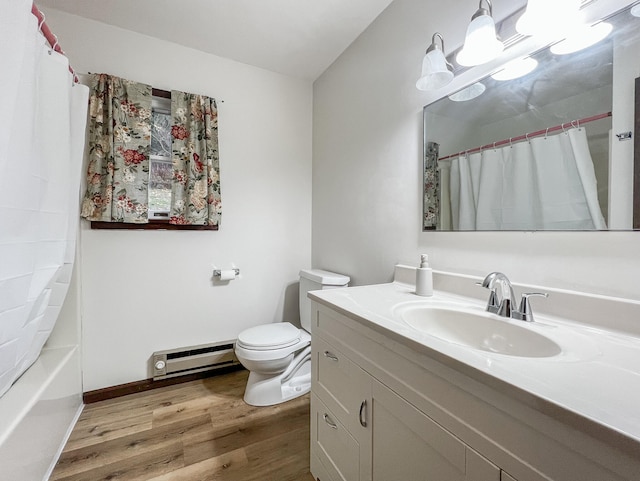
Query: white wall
x,y
367,159
144,291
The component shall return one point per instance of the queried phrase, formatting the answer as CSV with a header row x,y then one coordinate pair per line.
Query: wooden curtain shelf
x,y
152,225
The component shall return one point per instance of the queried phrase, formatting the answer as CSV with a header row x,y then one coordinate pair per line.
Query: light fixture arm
x,y
483,11
433,45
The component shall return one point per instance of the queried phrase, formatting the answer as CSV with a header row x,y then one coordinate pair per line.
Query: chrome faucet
x,y
502,298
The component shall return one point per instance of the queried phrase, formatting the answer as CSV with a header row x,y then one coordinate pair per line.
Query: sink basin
x,y
479,330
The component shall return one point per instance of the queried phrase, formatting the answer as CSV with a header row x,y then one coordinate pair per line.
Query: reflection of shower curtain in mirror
x,y
546,183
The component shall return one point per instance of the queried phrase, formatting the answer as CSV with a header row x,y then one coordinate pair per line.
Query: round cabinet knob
x,y
160,365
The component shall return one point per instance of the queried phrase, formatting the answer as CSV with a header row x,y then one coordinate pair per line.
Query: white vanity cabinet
x,y
381,410
362,430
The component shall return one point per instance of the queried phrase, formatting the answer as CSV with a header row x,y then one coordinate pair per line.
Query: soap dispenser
x,y
424,277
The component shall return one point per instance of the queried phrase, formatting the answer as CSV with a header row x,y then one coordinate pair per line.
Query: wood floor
x,y
196,431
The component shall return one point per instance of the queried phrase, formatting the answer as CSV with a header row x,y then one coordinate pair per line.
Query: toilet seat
x,y
269,336
270,342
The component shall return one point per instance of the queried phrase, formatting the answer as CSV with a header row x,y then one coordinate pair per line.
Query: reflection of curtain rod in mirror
x,y
528,136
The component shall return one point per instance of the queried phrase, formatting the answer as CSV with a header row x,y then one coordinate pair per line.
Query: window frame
x,y
154,223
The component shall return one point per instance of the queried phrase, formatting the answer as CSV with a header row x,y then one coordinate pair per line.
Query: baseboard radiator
x,y
189,360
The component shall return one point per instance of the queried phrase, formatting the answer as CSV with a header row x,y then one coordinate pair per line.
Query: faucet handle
x,y
524,312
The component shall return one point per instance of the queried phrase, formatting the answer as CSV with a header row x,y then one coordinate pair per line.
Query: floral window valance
x,y
119,146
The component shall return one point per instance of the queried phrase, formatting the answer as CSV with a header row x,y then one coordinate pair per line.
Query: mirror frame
x,y
636,159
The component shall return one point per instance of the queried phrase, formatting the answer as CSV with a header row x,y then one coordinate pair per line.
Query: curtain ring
x,y
562,125
578,124
526,136
53,47
572,124
546,132
494,147
41,21
510,144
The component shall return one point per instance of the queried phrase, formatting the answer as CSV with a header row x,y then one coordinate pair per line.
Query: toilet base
x,y
267,390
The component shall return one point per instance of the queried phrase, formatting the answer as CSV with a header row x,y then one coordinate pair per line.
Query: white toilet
x,y
278,355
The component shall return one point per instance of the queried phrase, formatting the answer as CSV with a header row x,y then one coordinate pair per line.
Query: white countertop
x,y
596,376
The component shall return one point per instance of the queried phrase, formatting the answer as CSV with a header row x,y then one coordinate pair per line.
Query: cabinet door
x,y
408,445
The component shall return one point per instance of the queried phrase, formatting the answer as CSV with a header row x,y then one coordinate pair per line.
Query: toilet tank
x,y
314,280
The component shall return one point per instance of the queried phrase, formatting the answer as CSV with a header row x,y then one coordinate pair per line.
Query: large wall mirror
x,y
551,150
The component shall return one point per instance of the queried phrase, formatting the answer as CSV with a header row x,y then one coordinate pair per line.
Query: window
x,y
179,177
160,172
160,168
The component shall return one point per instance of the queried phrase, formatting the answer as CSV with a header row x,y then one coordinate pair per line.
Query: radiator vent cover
x,y
189,360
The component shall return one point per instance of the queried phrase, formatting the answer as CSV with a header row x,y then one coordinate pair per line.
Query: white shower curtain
x,y
41,148
547,183
567,182
464,184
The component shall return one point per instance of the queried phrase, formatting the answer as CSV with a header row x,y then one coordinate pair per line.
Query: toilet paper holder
x,y
217,272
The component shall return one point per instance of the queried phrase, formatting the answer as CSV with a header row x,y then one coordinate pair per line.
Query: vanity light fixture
x,y
436,71
581,38
549,18
515,69
470,93
481,43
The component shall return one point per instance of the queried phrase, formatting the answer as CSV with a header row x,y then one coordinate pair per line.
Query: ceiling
x,y
300,38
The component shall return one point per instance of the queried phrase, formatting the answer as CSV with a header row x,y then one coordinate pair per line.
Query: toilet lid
x,y
269,336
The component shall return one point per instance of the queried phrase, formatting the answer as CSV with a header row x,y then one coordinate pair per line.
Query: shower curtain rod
x,y
48,34
573,123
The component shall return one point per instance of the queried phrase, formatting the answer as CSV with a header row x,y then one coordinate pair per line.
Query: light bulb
x,y
481,44
549,18
435,69
435,73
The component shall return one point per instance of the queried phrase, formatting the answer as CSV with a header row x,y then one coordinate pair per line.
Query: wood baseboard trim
x,y
111,392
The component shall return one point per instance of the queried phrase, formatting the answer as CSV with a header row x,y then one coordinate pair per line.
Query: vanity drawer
x,y
318,470
337,451
341,384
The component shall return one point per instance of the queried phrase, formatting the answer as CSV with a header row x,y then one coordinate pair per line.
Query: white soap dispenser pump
x,y
424,277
